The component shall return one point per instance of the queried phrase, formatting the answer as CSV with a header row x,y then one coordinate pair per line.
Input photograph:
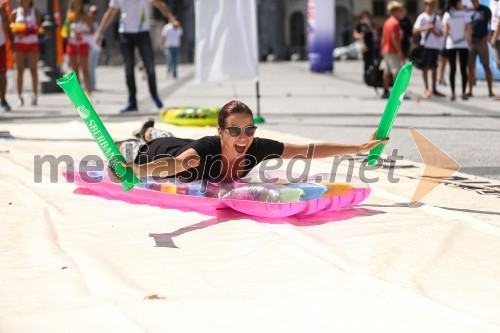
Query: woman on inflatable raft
x,y
225,157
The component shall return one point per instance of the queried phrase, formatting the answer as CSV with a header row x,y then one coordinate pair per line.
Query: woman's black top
x,y
209,150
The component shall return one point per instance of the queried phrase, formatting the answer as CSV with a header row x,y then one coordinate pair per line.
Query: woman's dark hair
x,y
452,4
233,107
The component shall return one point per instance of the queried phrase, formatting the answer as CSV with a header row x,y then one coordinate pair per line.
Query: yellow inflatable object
x,y
190,116
27,29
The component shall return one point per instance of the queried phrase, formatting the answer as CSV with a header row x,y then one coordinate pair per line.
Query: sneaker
x,y
20,101
5,106
465,97
386,95
438,94
129,149
34,100
428,94
442,83
157,101
139,134
130,106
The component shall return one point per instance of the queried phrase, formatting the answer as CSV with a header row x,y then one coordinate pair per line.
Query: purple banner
x,y
321,34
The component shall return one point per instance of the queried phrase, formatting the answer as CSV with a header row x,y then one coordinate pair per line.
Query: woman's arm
x,y
166,166
108,17
446,29
326,149
495,34
163,41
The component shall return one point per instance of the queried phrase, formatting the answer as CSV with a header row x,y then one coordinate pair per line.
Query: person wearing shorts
x,y
431,31
27,48
392,51
480,18
3,60
77,47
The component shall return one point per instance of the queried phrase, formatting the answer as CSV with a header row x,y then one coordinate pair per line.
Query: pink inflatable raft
x,y
276,199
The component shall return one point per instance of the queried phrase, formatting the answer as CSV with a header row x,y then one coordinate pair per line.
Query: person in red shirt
x,y
392,50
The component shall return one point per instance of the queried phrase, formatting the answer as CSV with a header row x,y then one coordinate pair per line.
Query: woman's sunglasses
x,y
235,131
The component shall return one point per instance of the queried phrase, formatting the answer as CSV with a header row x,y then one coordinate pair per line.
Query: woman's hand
x,y
372,142
117,177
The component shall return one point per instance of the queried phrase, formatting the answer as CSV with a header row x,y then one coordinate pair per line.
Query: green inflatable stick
x,y
69,83
391,110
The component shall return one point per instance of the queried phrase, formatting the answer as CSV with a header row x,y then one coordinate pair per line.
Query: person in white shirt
x,y
170,42
431,31
495,38
457,30
77,47
134,32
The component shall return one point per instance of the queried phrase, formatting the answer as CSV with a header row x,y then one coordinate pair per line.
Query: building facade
x,y
282,24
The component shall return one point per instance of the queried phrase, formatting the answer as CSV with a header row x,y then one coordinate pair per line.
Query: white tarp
x,y
226,40
82,263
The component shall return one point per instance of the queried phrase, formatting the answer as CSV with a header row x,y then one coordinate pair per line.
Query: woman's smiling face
x,y
234,147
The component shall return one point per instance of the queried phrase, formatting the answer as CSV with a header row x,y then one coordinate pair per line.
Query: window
x,y
379,8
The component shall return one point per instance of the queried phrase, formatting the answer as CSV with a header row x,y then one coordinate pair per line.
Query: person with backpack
x,y
365,31
431,31
407,32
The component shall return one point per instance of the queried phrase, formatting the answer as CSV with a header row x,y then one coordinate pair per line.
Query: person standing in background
x,y
134,32
77,47
495,37
407,30
366,31
443,55
4,22
27,48
171,42
480,18
95,49
392,51
457,30
431,31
